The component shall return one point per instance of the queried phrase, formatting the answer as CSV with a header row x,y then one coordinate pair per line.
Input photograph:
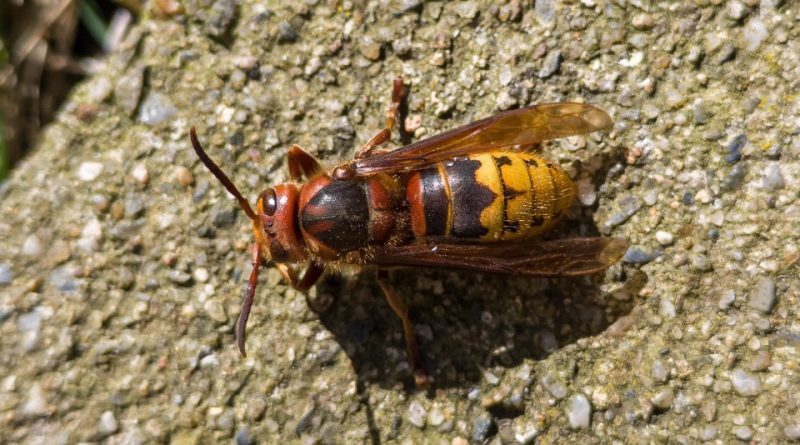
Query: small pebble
x,y
134,206
663,399
628,206
209,361
30,321
734,180
651,197
664,238
31,246
409,5
59,252
637,255
700,113
201,274
505,77
179,277
587,194
545,11
62,279
763,297
554,386
742,433
735,149
726,54
483,428
92,230
243,437
156,108
526,434
416,414
736,10
701,263
659,371
773,178
755,32
35,404
550,65
370,50
666,307
726,299
215,310
708,433
579,412
792,431
436,417
184,176
89,171
745,383
286,33
140,174
643,21
6,273
466,9
222,16
108,423
760,362
128,89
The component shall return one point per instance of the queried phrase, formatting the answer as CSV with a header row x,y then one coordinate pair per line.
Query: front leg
x,y
302,164
397,304
310,277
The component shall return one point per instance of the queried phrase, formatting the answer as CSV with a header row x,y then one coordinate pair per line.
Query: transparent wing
x,y
569,257
514,129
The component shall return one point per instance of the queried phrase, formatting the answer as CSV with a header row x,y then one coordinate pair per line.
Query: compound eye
x,y
270,202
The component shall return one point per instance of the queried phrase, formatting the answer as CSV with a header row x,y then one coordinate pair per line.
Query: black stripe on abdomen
x,y
469,197
435,201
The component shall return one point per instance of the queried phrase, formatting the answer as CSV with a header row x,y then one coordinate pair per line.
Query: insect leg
x,y
399,307
310,277
302,164
398,92
241,325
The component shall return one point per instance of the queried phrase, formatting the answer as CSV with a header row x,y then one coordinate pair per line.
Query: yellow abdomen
x,y
493,196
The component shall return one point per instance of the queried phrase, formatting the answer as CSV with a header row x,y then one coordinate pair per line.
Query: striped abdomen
x,y
492,196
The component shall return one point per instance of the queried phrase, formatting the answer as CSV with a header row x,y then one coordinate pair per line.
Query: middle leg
x,y
397,96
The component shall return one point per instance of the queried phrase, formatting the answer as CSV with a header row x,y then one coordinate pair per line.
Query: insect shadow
x,y
468,322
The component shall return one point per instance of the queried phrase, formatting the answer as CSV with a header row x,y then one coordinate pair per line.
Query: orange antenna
x,y
223,178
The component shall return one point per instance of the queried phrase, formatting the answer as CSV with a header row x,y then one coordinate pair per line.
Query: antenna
x,y
223,178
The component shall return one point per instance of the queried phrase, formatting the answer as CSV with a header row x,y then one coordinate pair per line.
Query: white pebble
x,y
91,235
745,383
89,171
9,383
201,274
209,361
587,194
717,218
108,423
664,238
505,77
754,33
31,246
726,299
579,412
140,174
35,405
416,414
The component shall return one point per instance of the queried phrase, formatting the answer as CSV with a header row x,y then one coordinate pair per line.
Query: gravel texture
x,y
123,262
